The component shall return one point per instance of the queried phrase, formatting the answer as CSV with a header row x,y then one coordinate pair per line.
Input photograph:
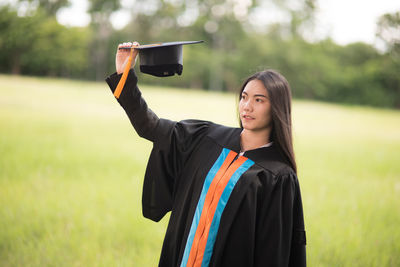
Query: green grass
x,y
71,170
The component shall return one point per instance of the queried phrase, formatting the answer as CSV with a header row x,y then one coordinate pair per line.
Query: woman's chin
x,y
254,128
247,126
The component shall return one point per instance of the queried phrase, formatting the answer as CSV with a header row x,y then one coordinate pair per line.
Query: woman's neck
x,y
250,140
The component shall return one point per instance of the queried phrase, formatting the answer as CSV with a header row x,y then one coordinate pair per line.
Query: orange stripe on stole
x,y
210,204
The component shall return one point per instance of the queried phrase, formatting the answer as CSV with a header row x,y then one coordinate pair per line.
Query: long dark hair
x,y
280,97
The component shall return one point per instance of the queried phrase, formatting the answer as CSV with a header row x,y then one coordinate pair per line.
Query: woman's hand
x,y
122,56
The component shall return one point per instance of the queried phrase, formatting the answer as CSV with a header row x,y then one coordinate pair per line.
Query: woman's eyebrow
x,y
257,95
261,96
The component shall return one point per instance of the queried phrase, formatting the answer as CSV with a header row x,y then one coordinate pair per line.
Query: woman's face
x,y
255,107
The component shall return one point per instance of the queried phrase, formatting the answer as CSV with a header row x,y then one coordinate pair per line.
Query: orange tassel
x,y
121,83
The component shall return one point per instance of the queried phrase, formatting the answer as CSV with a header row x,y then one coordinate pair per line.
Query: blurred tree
x,y
222,24
16,35
39,45
58,51
285,19
389,31
100,12
356,54
217,22
49,6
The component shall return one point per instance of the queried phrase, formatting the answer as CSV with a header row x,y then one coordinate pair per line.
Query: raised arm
x,y
142,118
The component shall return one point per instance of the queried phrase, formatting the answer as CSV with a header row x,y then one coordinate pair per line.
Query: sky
x,y
348,21
345,21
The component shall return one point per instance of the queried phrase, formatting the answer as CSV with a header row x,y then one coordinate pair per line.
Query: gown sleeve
x,y
143,119
173,143
280,230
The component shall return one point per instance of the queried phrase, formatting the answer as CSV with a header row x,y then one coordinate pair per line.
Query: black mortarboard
x,y
162,59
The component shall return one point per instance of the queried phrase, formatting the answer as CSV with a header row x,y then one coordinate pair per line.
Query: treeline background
x,y
33,42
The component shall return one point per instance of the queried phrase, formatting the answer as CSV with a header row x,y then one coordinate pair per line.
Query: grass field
x,y
71,170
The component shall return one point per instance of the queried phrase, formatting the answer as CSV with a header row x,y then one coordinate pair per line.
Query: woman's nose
x,y
247,106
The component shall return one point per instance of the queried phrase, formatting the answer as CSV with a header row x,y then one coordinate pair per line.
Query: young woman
x,y
233,193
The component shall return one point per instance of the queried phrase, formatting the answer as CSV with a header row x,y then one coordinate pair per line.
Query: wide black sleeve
x,y
142,118
174,144
280,234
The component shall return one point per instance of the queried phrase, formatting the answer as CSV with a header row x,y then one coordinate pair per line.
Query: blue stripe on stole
x,y
199,208
220,208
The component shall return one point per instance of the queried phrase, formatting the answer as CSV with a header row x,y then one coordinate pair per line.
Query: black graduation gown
x,y
226,209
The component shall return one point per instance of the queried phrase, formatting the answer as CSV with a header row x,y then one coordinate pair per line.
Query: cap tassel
x,y
121,82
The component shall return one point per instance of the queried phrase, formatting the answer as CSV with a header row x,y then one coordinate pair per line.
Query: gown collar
x,y
268,157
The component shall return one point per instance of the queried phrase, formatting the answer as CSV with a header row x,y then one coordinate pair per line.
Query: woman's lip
x,y
247,117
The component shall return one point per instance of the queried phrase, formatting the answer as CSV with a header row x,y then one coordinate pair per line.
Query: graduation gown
x,y
226,209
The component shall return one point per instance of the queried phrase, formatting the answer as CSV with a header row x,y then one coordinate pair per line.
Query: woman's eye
x,y
259,100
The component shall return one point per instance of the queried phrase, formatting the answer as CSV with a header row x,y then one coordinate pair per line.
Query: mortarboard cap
x,y
162,59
